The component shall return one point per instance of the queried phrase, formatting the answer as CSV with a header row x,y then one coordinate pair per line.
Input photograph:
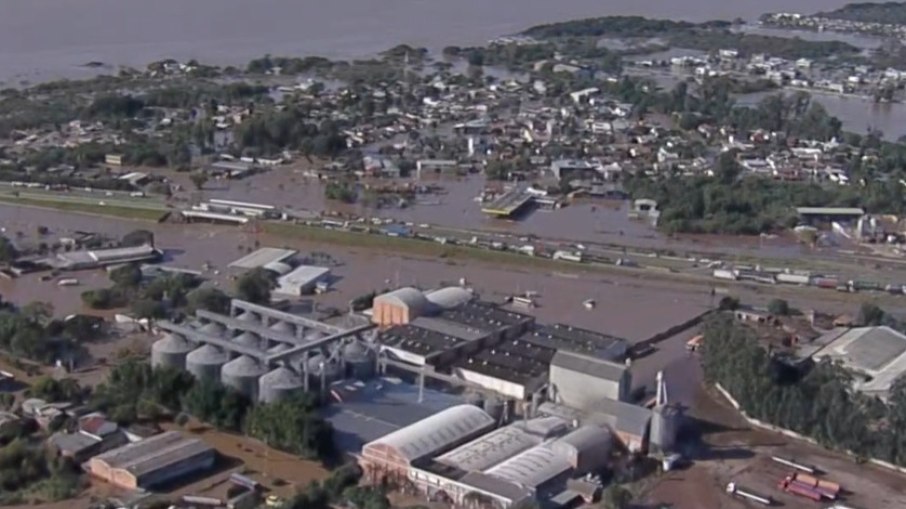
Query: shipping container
x,y
791,486
825,282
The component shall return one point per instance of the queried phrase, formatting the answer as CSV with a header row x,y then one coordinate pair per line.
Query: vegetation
x,y
255,285
893,13
8,251
27,472
151,299
293,426
51,202
52,390
340,191
819,403
133,391
340,490
779,307
29,332
209,299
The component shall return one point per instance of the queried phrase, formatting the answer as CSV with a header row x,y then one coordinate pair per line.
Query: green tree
x,y
198,178
292,425
778,307
8,251
617,497
127,276
209,299
256,285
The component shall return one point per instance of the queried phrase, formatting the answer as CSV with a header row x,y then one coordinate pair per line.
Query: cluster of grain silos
x,y
245,356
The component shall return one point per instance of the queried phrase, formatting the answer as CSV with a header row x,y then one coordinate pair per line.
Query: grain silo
x,y
242,374
320,367
247,339
247,316
665,420
284,327
279,384
360,363
170,351
206,361
213,329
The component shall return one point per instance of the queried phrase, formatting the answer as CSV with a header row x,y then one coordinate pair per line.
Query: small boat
x,y
589,304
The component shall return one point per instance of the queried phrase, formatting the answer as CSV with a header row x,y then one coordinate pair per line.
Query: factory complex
x,y
437,390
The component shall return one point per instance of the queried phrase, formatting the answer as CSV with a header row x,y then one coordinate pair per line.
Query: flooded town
x,y
591,260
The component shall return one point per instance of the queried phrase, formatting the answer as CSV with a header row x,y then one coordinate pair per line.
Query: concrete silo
x,y
170,351
247,339
242,374
665,420
360,362
279,384
320,368
213,329
248,316
283,327
206,362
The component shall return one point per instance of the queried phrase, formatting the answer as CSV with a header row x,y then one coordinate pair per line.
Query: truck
x,y
790,485
828,489
741,492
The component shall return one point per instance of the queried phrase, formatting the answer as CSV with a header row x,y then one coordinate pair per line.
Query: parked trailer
x,y
826,282
246,482
757,276
797,488
829,489
739,491
792,279
208,501
790,462
724,274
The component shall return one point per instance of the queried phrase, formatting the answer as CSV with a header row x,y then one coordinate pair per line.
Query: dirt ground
x,y
732,451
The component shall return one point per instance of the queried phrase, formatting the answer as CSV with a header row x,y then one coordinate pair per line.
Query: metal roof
x,y
878,353
484,483
830,211
263,257
449,297
436,432
502,444
533,467
408,297
622,417
301,276
599,368
153,453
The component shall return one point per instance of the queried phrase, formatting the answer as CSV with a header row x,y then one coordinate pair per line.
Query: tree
x,y
778,307
198,178
208,299
292,425
870,314
8,251
126,277
617,497
138,238
256,285
728,303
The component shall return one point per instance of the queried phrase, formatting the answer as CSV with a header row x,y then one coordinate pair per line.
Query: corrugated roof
x,y
262,257
449,297
437,432
153,453
484,483
502,443
409,297
622,417
599,368
533,467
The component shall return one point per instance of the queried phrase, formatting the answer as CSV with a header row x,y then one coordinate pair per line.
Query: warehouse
x,y
876,355
153,461
399,306
81,260
392,455
513,368
503,443
580,381
301,280
575,339
364,411
418,346
263,257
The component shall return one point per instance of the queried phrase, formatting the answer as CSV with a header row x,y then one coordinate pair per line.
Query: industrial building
x,y
263,258
153,461
581,381
301,280
262,352
97,258
457,457
875,355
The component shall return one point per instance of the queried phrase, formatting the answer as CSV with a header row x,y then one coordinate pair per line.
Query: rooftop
x,y
877,353
448,328
262,257
419,341
575,339
485,316
513,360
154,453
589,365
503,443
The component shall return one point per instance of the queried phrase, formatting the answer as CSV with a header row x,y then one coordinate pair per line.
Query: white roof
x,y
502,443
533,467
449,297
300,276
877,352
408,297
262,257
436,432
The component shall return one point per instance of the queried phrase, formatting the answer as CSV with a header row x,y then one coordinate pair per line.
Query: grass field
x,y
143,214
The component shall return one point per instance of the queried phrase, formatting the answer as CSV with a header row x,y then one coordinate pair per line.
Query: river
x,y
45,39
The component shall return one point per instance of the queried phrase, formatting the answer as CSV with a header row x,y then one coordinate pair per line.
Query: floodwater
x,y
44,39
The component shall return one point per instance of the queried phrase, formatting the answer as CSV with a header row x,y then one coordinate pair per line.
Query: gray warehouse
x,y
580,381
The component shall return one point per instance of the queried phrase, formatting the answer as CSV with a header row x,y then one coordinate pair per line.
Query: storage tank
x,y
170,351
248,339
318,364
359,360
279,384
284,327
206,361
493,406
247,316
242,374
665,423
213,329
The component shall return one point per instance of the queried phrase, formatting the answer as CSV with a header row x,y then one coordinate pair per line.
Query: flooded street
x,y
626,303
46,39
